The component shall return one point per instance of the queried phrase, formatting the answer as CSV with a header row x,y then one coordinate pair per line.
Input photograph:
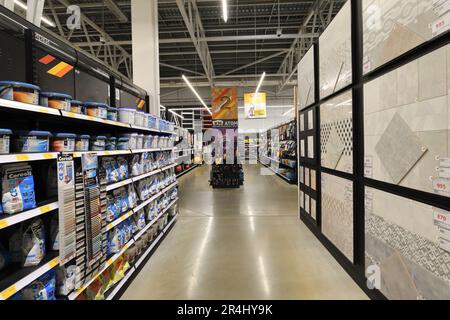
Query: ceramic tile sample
x,y
418,94
402,239
393,27
302,122
302,148
313,209
311,147
305,77
335,53
336,133
313,180
399,149
310,120
337,213
307,207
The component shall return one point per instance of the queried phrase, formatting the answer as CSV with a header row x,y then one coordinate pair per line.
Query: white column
x,y
144,15
34,11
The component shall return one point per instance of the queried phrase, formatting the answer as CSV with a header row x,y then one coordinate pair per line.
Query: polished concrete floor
x,y
241,244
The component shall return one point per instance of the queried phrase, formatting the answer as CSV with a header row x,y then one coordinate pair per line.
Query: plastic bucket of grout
x,y
123,143
56,100
132,137
127,115
5,141
20,92
148,139
111,144
82,143
139,118
152,121
95,109
112,114
140,142
31,141
76,107
98,143
63,142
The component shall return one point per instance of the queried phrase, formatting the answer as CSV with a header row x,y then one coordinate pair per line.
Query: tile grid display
x,y
383,145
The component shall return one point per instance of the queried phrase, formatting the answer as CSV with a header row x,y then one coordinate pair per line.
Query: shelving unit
x,y
83,200
279,152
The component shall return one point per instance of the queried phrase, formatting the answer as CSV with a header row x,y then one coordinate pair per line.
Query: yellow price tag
x,y
44,209
22,157
3,223
53,263
9,292
43,110
48,156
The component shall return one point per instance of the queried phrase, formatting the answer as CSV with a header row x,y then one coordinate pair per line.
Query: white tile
x,y
433,75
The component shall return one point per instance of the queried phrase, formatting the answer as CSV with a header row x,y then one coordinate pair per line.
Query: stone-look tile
x,y
399,149
337,213
411,215
401,234
433,75
419,177
306,90
429,118
336,114
393,27
335,53
397,280
408,83
388,90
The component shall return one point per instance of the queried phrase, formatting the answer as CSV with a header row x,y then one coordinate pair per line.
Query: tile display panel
x,y
307,135
335,53
337,213
306,90
410,243
407,125
336,133
308,191
394,27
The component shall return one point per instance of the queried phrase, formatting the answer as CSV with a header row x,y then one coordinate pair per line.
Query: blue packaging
x,y
31,141
111,144
18,193
43,289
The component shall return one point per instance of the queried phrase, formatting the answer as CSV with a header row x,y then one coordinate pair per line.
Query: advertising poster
x,y
224,103
255,105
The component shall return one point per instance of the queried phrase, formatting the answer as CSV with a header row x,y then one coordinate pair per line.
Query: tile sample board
x,y
393,27
407,122
336,133
337,213
404,239
306,91
335,53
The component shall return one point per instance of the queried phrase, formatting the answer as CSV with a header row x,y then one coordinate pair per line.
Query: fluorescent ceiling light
x,y
45,20
286,113
260,82
225,10
196,94
176,114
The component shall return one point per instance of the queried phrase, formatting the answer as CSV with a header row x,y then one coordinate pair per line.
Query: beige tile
x,y
408,83
433,75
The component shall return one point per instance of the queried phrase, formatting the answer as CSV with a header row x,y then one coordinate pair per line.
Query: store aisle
x,y
241,244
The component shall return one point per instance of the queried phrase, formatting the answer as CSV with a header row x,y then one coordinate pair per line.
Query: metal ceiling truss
x,y
193,22
302,44
192,32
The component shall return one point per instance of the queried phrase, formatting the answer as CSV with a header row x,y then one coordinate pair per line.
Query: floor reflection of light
x,y
262,268
252,224
193,280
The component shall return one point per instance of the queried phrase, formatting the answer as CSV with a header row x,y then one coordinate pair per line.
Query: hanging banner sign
x,y
224,102
255,105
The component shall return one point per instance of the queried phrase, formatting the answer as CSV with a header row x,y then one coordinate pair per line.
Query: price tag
x,y
3,224
22,157
47,156
9,292
53,263
44,209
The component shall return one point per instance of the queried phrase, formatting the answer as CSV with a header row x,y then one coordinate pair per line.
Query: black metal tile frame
x,y
357,269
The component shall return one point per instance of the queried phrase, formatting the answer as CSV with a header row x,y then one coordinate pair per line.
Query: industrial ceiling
x,y
260,35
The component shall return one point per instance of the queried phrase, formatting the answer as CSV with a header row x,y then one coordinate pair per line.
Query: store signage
x,y
255,105
224,103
